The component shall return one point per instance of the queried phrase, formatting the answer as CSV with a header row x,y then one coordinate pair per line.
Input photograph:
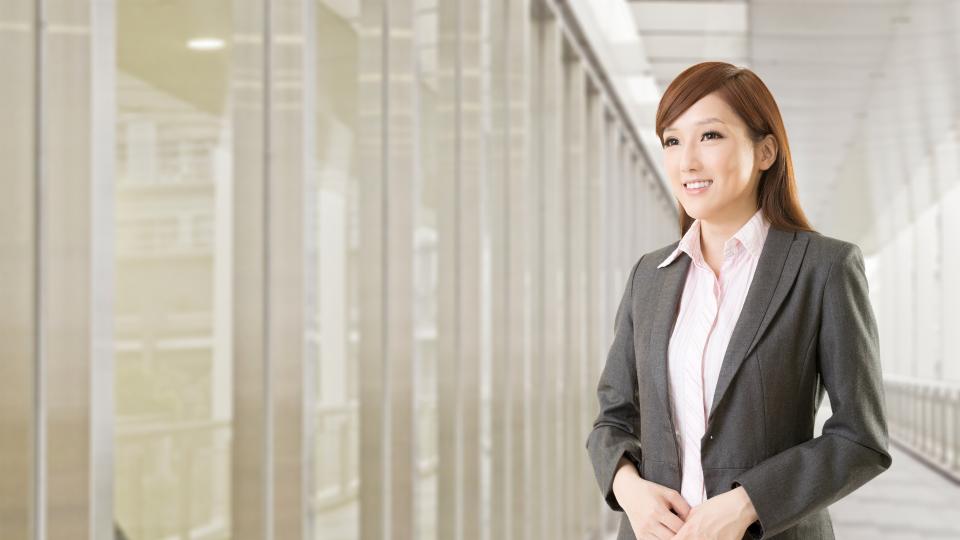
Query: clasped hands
x,y
660,513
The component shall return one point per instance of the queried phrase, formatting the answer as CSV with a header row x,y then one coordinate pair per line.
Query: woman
x,y
726,340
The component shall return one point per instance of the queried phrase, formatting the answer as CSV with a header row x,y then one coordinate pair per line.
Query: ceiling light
x,y
205,44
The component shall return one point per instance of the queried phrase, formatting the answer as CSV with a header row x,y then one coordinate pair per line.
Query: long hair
x,y
746,94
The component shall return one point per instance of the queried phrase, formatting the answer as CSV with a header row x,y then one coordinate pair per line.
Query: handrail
x,y
130,431
924,419
164,459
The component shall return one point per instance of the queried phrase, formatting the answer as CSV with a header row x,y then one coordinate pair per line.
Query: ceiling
x,y
867,88
855,81
152,38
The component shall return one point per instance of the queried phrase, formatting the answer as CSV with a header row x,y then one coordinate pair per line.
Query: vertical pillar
x,y
290,188
56,238
470,149
272,141
552,277
498,215
401,144
521,250
74,273
250,452
19,211
389,131
575,463
459,236
596,280
372,116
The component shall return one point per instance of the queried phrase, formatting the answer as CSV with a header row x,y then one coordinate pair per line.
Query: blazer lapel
x,y
776,271
670,282
774,276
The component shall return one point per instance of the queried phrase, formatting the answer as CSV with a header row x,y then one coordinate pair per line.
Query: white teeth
x,y
698,185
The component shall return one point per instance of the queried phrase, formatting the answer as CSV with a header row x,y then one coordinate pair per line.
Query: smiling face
x,y
710,141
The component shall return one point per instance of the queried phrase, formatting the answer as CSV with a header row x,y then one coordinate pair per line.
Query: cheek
x,y
732,168
670,163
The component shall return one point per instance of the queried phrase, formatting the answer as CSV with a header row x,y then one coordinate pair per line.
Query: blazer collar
x,y
773,278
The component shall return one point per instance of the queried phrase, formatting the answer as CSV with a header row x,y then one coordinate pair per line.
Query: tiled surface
x,y
906,502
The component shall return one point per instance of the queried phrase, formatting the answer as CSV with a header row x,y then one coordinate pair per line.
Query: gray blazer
x,y
806,326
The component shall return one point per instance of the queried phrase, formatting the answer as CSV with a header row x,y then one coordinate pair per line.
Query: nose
x,y
689,158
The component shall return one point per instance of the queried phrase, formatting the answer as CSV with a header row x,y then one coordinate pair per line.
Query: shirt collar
x,y
751,235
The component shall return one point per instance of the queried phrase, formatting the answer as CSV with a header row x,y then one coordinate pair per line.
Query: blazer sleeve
x,y
852,448
616,431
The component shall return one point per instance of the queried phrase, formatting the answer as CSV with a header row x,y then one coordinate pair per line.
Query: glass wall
x,y
480,203
344,269
347,268
174,162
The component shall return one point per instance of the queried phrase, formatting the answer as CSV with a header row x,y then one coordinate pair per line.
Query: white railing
x,y
337,444
924,417
173,480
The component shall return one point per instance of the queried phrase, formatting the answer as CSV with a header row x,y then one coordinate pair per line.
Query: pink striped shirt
x,y
709,309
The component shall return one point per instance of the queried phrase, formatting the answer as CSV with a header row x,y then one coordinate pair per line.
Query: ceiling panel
x,y
866,88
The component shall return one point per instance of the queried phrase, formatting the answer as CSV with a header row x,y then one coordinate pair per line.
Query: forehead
x,y
709,109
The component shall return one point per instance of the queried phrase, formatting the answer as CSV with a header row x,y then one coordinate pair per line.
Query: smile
x,y
697,186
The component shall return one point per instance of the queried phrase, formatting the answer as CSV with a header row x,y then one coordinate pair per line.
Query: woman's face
x,y
710,141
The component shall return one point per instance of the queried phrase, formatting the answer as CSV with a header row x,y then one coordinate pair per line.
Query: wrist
x,y
625,468
625,471
745,508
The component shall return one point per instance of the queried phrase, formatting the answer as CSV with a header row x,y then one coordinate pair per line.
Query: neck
x,y
715,232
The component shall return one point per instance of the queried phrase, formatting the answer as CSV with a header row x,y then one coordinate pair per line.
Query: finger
x,y
671,521
678,503
661,532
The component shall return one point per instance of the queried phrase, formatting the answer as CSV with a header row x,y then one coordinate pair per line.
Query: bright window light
x,y
643,88
615,20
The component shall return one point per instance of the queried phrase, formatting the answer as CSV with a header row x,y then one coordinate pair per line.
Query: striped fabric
x,y
709,308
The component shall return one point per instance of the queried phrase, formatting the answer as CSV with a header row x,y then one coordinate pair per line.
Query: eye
x,y
709,135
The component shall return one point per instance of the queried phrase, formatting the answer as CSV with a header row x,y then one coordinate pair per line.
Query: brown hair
x,y
746,94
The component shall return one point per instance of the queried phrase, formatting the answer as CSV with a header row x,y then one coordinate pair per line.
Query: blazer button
x,y
711,437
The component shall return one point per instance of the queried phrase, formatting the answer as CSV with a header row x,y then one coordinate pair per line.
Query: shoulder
x,y
645,267
825,251
652,259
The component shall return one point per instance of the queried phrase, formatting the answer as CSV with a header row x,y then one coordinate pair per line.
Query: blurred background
x,y
347,269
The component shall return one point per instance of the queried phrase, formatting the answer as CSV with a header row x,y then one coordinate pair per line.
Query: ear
x,y
768,152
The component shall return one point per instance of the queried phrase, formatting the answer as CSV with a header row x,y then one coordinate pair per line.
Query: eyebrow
x,y
704,121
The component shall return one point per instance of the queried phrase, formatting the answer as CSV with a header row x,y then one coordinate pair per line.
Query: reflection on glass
x,y
425,267
337,437
173,361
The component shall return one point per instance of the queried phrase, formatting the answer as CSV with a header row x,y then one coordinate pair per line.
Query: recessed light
x,y
205,44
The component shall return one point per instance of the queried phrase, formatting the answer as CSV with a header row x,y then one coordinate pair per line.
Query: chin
x,y
697,213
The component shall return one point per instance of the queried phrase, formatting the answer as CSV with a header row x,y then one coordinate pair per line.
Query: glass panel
x,y
339,154
17,263
173,265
